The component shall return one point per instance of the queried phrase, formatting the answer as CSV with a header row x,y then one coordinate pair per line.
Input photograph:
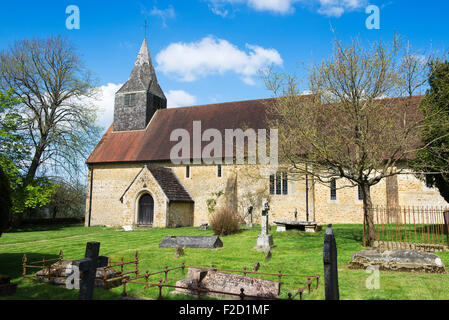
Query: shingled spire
x,y
140,97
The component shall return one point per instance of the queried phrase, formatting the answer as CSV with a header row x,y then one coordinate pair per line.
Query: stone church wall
x,y
110,181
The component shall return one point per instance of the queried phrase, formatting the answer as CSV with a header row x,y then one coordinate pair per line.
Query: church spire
x,y
140,97
143,77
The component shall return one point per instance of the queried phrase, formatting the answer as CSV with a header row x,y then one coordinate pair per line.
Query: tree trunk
x,y
368,216
34,165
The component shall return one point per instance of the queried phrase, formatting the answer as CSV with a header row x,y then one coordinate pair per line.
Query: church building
x,y
132,180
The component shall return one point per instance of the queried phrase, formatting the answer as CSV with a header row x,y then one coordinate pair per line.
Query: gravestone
x,y
227,283
179,252
264,240
195,242
250,217
398,260
330,265
88,267
204,227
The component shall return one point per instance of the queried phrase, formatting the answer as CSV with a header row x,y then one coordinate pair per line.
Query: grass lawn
x,y
295,253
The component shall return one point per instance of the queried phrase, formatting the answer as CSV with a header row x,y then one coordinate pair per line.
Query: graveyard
x,y
295,252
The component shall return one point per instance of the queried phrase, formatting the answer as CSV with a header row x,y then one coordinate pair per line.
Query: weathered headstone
x,y
330,265
256,267
204,227
227,283
250,217
88,267
268,255
196,242
179,252
264,240
398,260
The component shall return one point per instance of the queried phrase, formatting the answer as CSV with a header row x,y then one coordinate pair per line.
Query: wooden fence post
x,y
330,265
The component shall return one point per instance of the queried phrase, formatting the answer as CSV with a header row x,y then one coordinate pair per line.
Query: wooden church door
x,y
146,210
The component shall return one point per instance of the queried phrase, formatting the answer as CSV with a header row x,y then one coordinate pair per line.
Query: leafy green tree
x,y
433,158
5,201
15,154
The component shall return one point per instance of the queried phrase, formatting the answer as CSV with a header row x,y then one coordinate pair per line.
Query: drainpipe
x,y
90,195
307,194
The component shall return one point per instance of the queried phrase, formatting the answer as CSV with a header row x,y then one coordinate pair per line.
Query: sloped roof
x,y
172,187
153,143
143,77
167,180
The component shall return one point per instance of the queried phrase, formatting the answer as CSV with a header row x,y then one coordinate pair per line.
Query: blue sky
x,y
208,51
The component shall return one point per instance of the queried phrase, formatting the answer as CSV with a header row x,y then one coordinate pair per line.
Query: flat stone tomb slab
x,y
227,282
284,225
398,260
195,242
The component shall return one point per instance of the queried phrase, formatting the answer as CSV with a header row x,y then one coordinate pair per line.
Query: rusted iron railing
x,y
146,283
46,265
411,228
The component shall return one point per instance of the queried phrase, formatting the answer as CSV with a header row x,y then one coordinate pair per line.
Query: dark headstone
x,y
88,268
256,267
268,255
196,242
179,252
330,265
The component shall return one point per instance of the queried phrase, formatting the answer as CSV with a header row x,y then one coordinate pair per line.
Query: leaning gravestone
x,y
398,260
195,242
264,240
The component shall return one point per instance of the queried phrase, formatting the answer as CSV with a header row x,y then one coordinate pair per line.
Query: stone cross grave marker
x,y
264,240
88,268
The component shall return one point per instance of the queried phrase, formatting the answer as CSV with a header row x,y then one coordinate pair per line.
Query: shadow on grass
x,y
29,289
37,228
11,263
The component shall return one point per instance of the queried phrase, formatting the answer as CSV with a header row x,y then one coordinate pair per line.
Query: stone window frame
x,y
333,190
279,184
130,99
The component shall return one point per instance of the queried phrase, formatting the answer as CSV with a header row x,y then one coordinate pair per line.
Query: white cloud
x,y
105,103
190,61
331,8
105,100
336,8
274,6
179,98
164,14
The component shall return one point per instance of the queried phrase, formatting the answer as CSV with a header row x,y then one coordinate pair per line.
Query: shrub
x,y
5,201
225,222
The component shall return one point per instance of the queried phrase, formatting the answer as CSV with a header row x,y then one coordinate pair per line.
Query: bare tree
x,y
349,127
55,86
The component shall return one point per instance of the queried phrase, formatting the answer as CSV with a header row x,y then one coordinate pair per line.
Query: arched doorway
x,y
146,210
